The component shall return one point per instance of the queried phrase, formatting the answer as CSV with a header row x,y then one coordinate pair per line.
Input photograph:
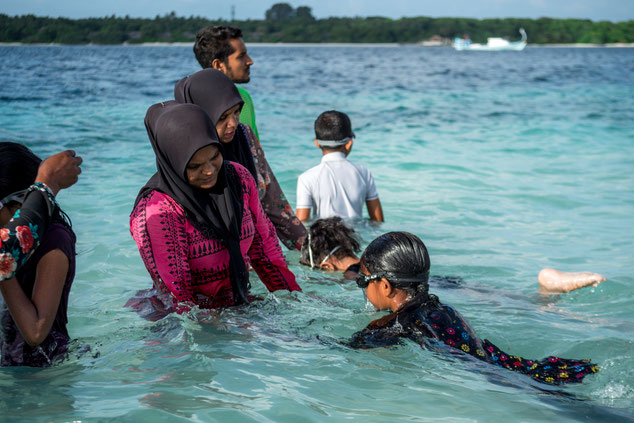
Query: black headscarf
x,y
177,132
216,93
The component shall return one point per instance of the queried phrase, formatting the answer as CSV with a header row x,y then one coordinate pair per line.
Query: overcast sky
x,y
612,10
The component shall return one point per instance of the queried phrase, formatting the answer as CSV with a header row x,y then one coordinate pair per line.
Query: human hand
x,y
59,171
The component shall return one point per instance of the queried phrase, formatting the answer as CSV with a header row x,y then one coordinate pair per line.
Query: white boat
x,y
493,44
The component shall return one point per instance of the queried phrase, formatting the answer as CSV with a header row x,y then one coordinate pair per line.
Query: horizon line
x,y
317,19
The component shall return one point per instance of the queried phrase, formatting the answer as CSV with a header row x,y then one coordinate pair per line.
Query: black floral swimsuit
x,y
420,323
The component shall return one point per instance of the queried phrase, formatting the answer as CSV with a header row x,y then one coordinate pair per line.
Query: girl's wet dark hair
x,y
403,257
325,236
18,167
18,170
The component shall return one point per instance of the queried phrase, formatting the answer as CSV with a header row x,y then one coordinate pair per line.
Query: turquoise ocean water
x,y
503,163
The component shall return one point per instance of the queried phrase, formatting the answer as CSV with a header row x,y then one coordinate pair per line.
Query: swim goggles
x,y
333,143
396,279
17,197
334,250
364,280
310,254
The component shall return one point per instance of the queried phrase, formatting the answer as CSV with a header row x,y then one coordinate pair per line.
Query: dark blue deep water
x,y
502,162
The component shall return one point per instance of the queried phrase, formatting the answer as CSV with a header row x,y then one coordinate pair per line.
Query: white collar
x,y
334,156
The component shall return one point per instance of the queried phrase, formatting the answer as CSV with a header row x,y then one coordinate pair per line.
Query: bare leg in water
x,y
551,280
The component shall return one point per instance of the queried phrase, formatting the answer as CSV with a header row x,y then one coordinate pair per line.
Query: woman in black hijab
x,y
218,96
198,222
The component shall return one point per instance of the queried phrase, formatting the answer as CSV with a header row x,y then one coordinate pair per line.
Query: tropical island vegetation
x,y
283,23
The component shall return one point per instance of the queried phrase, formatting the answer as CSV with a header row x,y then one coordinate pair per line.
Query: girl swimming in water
x,y
33,315
331,245
394,273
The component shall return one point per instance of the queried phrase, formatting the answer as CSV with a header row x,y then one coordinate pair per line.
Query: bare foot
x,y
551,280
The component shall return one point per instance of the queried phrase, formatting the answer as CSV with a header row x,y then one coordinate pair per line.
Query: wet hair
x,y
404,259
333,126
18,167
212,43
325,236
18,170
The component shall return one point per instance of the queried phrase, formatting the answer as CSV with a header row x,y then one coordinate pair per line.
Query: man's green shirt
x,y
247,115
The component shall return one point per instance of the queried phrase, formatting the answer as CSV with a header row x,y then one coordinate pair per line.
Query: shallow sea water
x,y
503,163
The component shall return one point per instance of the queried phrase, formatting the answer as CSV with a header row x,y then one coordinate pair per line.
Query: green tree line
x,y
284,23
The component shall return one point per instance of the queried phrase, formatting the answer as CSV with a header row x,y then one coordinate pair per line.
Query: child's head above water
x,y
333,131
329,239
399,258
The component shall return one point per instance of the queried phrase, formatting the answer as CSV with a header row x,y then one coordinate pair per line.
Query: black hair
x,y
333,126
212,43
18,170
404,256
326,235
18,167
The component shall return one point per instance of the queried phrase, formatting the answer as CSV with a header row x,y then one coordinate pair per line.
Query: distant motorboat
x,y
493,44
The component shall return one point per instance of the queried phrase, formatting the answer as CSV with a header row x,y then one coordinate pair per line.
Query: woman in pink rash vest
x,y
198,222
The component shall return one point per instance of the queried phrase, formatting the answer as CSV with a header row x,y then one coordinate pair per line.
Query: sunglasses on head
x,y
17,197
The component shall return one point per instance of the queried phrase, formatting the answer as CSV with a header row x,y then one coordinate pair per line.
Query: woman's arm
x,y
265,252
158,228
289,228
34,316
22,234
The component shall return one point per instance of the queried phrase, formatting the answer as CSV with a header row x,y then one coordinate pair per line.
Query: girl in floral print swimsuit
x,y
394,273
36,285
58,172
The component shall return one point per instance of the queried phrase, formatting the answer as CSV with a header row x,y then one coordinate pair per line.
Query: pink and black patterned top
x,y
194,269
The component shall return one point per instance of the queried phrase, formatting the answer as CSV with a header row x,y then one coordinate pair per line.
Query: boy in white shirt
x,y
336,187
